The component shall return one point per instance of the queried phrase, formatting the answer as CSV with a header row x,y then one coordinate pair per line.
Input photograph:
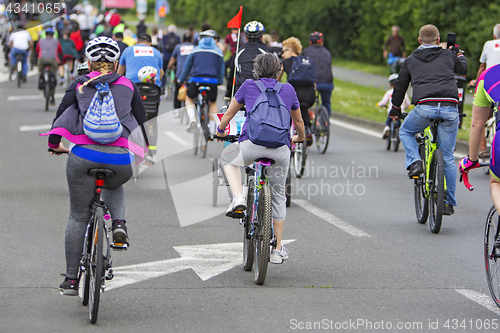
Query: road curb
x,y
462,147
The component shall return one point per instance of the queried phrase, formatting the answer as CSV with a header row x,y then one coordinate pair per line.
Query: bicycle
x,y
47,84
393,138
258,236
170,84
491,247
17,68
201,134
298,156
429,188
320,125
95,264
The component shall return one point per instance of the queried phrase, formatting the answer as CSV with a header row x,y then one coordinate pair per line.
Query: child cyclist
x,y
386,100
267,67
103,53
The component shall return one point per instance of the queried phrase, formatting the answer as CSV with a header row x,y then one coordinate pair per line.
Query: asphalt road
x,y
358,262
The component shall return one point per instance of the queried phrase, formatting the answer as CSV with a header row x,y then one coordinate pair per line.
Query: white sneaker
x,y
191,126
237,207
277,257
385,132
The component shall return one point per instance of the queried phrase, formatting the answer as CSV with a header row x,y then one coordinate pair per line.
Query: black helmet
x,y
316,37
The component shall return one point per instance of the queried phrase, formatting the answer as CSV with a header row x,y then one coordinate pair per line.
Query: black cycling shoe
x,y
69,287
415,169
448,210
120,235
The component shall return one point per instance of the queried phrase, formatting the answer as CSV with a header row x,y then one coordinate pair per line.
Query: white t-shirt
x,y
386,100
491,53
20,40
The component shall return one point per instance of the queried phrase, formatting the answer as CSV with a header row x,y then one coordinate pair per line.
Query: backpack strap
x,y
260,85
278,87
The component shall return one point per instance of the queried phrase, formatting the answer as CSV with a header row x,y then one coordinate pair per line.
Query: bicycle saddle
x,y
265,161
104,173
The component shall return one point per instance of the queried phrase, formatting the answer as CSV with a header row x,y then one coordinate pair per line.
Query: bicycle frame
x,y
430,140
260,179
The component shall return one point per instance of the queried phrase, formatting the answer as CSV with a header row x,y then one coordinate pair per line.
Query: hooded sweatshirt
x,y
128,104
431,71
206,60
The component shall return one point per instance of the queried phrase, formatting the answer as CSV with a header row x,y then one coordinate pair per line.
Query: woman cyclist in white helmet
x,y
103,53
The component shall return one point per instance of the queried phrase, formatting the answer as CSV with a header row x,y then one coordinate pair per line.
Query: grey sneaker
x,y
69,287
277,257
120,235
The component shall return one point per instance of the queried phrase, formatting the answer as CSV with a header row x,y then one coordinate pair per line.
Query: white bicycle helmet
x,y
147,74
83,68
393,77
209,33
102,48
254,30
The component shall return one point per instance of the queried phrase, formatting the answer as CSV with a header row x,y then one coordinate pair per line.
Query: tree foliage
x,y
354,29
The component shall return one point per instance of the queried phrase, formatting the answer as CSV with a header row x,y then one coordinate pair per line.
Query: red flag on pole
x,y
236,21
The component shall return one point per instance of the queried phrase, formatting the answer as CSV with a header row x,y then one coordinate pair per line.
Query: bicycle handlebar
x,y
465,177
50,150
230,138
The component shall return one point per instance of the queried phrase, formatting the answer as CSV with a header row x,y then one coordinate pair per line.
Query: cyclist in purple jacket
x,y
267,68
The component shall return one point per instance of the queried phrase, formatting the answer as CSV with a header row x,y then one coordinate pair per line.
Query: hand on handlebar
x,y
464,166
296,139
59,150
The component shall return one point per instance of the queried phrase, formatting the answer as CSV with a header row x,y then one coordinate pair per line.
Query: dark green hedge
x,y
354,29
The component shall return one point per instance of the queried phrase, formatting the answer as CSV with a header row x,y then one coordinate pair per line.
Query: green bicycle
x,y
429,188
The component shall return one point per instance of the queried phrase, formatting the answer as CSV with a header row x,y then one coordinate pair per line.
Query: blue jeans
x,y
13,55
325,90
417,121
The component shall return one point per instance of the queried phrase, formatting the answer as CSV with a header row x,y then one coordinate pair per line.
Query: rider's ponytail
x,y
103,67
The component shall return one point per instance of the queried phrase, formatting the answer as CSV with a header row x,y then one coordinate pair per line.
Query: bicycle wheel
x,y
196,139
288,187
263,235
395,139
215,181
248,245
84,285
323,130
47,96
492,254
19,67
205,133
299,159
421,202
96,265
436,191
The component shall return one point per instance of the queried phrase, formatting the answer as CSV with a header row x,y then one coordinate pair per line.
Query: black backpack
x,y
303,72
170,41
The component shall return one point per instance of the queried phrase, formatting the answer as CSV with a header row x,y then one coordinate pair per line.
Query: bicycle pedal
x,y
238,215
119,246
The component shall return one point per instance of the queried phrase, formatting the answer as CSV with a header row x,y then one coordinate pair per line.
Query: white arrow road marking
x,y
177,138
27,128
481,299
331,218
206,261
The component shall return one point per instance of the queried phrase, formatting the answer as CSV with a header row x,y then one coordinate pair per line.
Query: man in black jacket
x,y
243,60
323,64
430,69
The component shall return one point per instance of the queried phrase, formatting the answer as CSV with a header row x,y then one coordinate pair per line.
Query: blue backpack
x,y
303,72
101,123
268,123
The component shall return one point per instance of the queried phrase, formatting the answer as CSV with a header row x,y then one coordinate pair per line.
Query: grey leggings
x,y
246,152
81,193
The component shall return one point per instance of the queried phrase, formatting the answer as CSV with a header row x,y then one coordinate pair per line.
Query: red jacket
x,y
76,37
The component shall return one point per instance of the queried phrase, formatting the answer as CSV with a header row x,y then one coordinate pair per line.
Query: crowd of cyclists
x,y
120,58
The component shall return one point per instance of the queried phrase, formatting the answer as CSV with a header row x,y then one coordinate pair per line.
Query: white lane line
x,y
27,128
369,132
355,128
481,299
177,138
335,221
30,97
